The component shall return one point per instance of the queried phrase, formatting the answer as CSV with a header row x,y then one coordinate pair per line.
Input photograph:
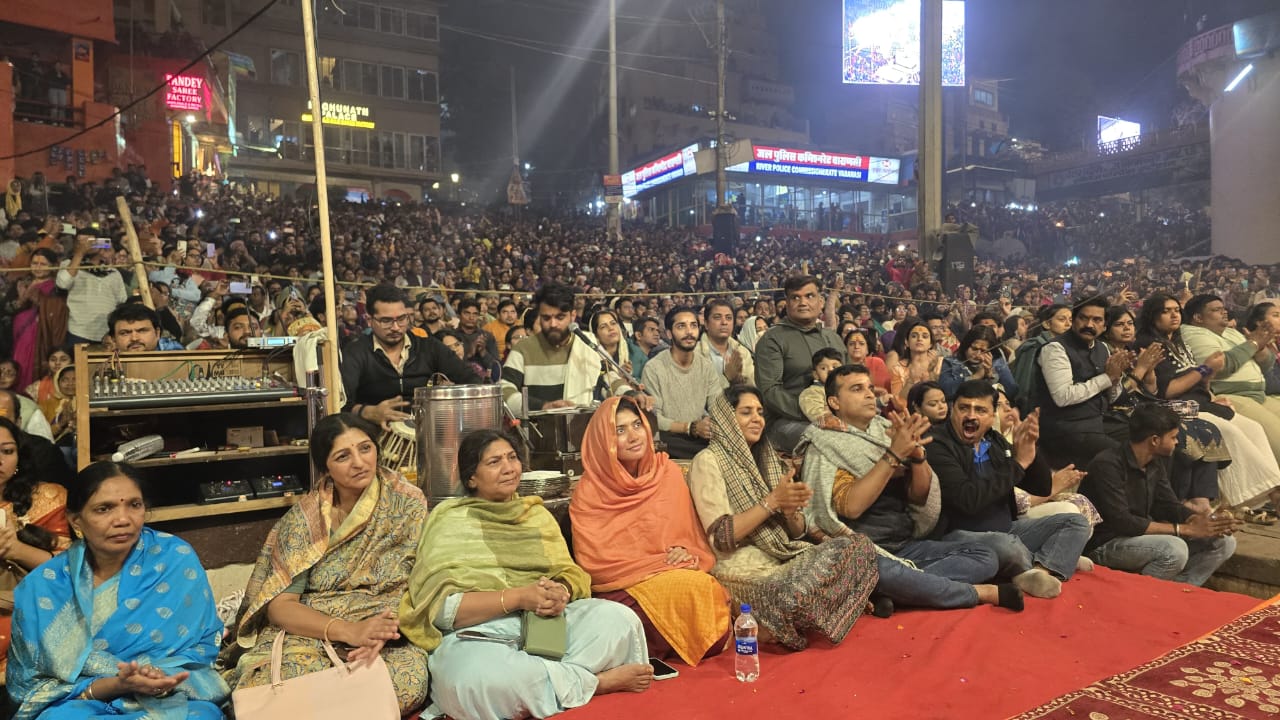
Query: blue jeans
x,y
921,588
1053,542
1189,561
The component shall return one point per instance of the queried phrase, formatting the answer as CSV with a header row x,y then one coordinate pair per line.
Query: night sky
x,y
1061,62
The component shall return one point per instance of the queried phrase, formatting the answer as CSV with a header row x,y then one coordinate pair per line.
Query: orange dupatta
x,y
624,525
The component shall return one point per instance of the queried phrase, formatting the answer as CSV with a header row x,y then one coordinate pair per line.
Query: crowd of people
x,y
1092,229
820,431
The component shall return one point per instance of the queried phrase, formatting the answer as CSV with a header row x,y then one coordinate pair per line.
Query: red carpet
x,y
958,664
1234,673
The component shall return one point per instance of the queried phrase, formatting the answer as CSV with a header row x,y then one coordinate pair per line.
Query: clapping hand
x,y
1066,479
1150,357
1025,436
907,434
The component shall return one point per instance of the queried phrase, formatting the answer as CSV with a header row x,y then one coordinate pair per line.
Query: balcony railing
x,y
35,111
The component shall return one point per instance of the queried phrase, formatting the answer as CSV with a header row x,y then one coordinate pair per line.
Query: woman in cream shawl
x,y
487,560
750,507
636,532
334,568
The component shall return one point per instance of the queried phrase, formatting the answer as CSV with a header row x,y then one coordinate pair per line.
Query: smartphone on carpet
x,y
662,671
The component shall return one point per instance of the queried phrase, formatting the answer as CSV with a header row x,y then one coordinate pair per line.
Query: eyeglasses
x,y
386,322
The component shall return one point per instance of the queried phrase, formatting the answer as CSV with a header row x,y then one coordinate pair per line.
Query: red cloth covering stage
x,y
970,664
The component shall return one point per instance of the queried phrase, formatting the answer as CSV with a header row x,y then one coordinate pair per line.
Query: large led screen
x,y
882,42
1114,129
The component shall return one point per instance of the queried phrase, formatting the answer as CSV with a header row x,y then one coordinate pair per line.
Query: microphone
x,y
576,329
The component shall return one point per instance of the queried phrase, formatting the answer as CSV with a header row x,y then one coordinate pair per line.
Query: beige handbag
x,y
342,692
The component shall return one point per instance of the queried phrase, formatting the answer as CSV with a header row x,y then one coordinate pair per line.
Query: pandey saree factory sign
x,y
184,92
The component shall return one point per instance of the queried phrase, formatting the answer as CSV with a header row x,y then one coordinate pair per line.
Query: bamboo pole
x,y
332,379
135,251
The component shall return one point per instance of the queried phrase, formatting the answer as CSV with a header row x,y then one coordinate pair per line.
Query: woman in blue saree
x,y
122,625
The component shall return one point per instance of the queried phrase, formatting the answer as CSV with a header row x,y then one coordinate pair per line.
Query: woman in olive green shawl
x,y
335,567
484,560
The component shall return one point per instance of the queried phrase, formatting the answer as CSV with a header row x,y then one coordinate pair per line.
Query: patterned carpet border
x,y
1231,674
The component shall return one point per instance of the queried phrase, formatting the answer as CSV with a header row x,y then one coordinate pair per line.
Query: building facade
x,y
379,88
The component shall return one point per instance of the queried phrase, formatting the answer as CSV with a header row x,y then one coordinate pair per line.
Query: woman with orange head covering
x,y
636,532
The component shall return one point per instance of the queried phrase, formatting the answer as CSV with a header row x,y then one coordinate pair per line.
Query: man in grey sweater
x,y
682,383
784,359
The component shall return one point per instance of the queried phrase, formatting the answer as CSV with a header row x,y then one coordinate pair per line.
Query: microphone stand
x,y
631,380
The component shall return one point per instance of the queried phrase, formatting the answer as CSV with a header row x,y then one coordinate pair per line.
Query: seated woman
x,y
636,532
35,526
335,567
750,509
1062,497
483,562
1253,475
122,624
977,358
45,390
917,360
927,399
862,345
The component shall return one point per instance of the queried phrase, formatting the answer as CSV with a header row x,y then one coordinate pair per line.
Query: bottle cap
x,y
746,608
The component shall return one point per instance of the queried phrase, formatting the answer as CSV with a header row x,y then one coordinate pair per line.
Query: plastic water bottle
x,y
746,645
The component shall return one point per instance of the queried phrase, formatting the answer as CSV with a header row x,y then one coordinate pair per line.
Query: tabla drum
x,y
555,438
398,450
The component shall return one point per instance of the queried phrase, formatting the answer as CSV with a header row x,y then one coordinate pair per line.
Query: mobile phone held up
x,y
662,671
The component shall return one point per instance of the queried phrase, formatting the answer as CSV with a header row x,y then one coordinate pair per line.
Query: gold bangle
x,y
502,600
326,628
88,691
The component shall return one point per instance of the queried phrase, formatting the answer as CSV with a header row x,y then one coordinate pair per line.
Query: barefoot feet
x,y
625,678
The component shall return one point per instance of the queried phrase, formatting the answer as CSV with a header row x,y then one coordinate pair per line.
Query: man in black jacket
x,y
978,469
1144,527
381,371
1076,382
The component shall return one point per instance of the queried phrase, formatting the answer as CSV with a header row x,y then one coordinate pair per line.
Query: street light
x,y
455,178
527,166
435,186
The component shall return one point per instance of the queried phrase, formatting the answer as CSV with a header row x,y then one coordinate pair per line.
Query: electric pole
x,y
613,221
722,53
929,159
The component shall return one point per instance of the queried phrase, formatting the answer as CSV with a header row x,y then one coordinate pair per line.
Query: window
x,y
368,15
422,86
422,26
388,151
369,79
214,12
416,152
335,147
391,20
431,161
359,146
284,135
399,150
392,81
984,97
351,76
329,76
286,67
